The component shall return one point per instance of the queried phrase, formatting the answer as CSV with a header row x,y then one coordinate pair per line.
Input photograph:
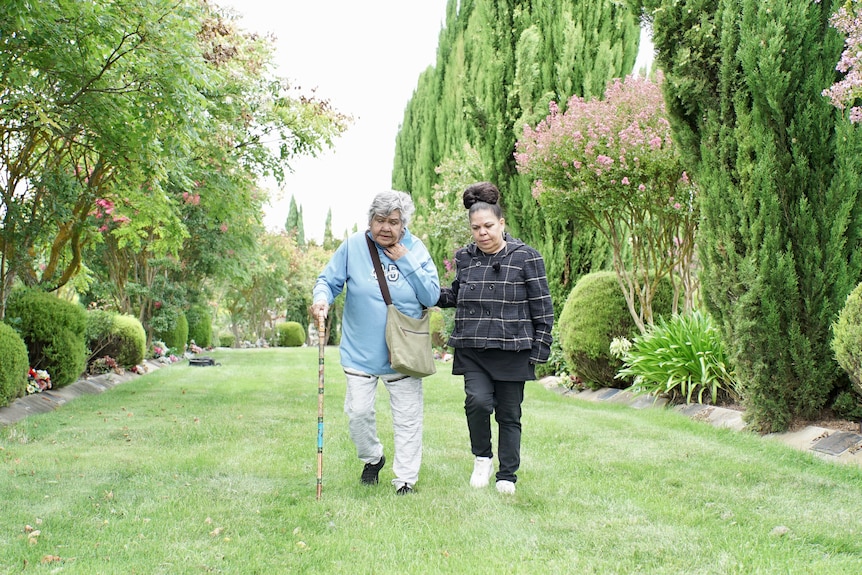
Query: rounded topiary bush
x,y
290,334
594,314
226,339
847,337
176,334
121,337
14,365
53,331
200,325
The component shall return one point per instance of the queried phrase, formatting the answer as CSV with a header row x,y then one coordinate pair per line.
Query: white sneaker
x,y
506,487
482,469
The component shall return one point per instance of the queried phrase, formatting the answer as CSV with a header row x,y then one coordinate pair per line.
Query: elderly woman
x,y
413,285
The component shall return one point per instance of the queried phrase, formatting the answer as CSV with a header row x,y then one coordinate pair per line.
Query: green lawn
x,y
213,470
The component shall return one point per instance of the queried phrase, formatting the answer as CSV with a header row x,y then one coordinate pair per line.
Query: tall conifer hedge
x,y
779,172
498,66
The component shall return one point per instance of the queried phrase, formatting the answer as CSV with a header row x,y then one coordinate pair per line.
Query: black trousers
x,y
502,398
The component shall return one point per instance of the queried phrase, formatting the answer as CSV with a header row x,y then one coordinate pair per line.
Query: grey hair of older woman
x,y
387,202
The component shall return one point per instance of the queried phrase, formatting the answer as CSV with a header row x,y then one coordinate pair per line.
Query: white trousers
x,y
405,400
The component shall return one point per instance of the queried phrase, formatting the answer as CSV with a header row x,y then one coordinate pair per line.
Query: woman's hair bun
x,y
485,192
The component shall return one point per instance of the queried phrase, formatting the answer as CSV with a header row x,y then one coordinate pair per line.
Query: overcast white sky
x,y
365,57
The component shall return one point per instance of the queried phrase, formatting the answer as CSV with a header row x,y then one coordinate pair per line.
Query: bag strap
x,y
378,267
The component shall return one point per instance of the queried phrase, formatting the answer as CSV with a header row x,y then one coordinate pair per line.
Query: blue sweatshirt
x,y
413,285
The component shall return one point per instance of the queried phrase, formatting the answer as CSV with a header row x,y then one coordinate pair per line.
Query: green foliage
x,y
200,325
290,334
594,314
439,331
54,332
556,364
682,358
176,334
498,66
441,220
121,337
226,339
847,337
99,325
298,305
133,134
14,366
294,225
779,170
847,405
280,274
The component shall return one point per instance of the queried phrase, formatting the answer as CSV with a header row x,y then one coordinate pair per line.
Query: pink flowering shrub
x,y
104,214
848,21
612,164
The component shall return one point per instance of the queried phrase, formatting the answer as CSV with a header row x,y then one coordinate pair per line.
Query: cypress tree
x,y
778,169
294,225
329,242
499,64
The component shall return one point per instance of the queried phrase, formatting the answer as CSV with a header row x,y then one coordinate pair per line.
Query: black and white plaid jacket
x,y
502,301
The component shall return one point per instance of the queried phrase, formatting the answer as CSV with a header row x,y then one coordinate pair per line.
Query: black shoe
x,y
371,471
404,490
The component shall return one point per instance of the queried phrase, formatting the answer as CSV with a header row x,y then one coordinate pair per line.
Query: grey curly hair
x,y
387,202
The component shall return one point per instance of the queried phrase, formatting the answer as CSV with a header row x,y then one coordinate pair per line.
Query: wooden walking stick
x,y
321,345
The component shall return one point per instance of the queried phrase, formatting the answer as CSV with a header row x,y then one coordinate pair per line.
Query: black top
x,y
500,365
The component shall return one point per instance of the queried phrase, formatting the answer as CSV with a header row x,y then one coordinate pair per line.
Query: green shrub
x,y
847,405
14,365
121,337
99,325
847,337
53,331
682,358
556,364
594,314
200,326
226,339
439,334
290,334
176,335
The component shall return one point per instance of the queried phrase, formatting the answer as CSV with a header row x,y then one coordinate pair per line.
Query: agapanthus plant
x,y
612,164
682,358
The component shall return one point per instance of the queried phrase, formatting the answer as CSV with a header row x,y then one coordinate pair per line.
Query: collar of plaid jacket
x,y
511,245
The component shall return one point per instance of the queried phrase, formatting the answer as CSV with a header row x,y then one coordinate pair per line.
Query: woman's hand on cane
x,y
318,308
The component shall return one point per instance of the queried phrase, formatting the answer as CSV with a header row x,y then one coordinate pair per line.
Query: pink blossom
x,y
625,181
223,228
191,199
848,21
